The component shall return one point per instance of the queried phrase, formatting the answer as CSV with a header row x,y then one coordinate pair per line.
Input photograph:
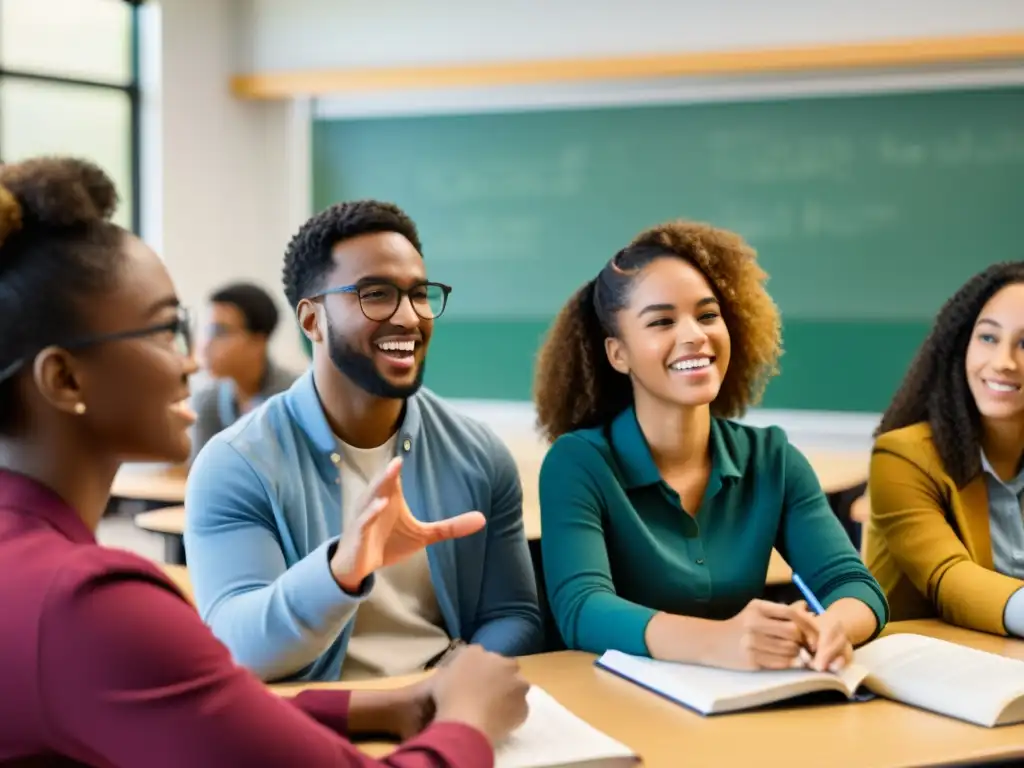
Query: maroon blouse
x,y
103,662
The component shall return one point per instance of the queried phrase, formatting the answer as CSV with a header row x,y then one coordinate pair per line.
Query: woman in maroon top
x,y
102,660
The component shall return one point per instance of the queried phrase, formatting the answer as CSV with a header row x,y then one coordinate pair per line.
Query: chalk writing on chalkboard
x,y
959,149
557,174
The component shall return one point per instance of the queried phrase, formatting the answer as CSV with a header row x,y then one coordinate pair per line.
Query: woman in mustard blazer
x,y
946,535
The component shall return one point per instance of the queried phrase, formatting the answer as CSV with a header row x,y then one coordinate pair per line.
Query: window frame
x,y
131,89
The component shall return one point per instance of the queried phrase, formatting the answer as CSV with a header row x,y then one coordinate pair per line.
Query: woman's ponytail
x,y
575,387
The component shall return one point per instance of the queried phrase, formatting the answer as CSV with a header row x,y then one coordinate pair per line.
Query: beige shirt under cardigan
x,y
398,628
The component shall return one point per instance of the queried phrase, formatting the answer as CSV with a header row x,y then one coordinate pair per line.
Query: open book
x,y
936,675
553,737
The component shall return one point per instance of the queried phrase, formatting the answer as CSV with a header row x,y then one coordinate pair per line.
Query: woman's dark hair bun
x,y
58,192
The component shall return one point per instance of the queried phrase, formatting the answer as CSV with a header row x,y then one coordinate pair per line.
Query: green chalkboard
x,y
867,212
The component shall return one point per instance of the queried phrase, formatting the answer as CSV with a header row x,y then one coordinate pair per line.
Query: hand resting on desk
x,y
481,689
474,687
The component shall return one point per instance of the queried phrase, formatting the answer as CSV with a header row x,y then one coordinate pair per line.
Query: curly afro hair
x,y
58,250
935,388
308,258
575,385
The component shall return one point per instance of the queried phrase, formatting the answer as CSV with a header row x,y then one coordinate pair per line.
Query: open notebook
x,y
936,675
553,737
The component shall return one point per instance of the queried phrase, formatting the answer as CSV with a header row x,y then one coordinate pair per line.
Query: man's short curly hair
x,y
935,388
575,385
308,258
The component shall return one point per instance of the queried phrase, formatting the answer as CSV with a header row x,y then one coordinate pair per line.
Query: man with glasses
x,y
269,496
234,352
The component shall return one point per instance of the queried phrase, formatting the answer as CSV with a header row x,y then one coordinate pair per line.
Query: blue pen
x,y
812,601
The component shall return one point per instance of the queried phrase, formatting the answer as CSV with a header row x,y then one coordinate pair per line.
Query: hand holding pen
x,y
826,644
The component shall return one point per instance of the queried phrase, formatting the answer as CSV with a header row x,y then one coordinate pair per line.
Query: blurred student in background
x,y
659,513
234,351
946,537
103,660
269,496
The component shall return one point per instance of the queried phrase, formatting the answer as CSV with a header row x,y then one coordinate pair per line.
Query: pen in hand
x,y
815,605
812,601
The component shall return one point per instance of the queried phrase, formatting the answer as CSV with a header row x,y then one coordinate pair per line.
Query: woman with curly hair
x,y
659,513
946,537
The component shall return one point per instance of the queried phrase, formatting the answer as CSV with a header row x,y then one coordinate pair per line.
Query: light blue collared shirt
x,y
264,513
1006,527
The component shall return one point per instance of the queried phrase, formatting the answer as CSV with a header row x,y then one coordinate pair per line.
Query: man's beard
x,y
361,370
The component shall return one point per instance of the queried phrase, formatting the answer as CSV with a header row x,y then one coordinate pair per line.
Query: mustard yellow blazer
x,y
928,542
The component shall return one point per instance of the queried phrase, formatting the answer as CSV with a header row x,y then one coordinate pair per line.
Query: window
x,y
69,85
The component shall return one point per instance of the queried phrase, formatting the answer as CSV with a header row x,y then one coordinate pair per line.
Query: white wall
x,y
311,34
221,194
300,34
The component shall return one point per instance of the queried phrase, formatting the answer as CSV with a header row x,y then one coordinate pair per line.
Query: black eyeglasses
x,y
379,300
178,330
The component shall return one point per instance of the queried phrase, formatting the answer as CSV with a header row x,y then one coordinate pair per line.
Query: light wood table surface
x,y
779,571
873,734
838,471
151,482
179,575
168,520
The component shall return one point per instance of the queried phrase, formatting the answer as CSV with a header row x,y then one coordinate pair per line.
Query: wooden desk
x,y
874,734
1002,646
839,471
179,575
163,483
169,522
155,485
779,571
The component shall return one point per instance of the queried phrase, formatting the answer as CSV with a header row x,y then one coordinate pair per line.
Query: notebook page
x,y
554,736
709,690
941,676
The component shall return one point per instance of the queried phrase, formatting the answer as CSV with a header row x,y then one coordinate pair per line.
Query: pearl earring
x,y
79,408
